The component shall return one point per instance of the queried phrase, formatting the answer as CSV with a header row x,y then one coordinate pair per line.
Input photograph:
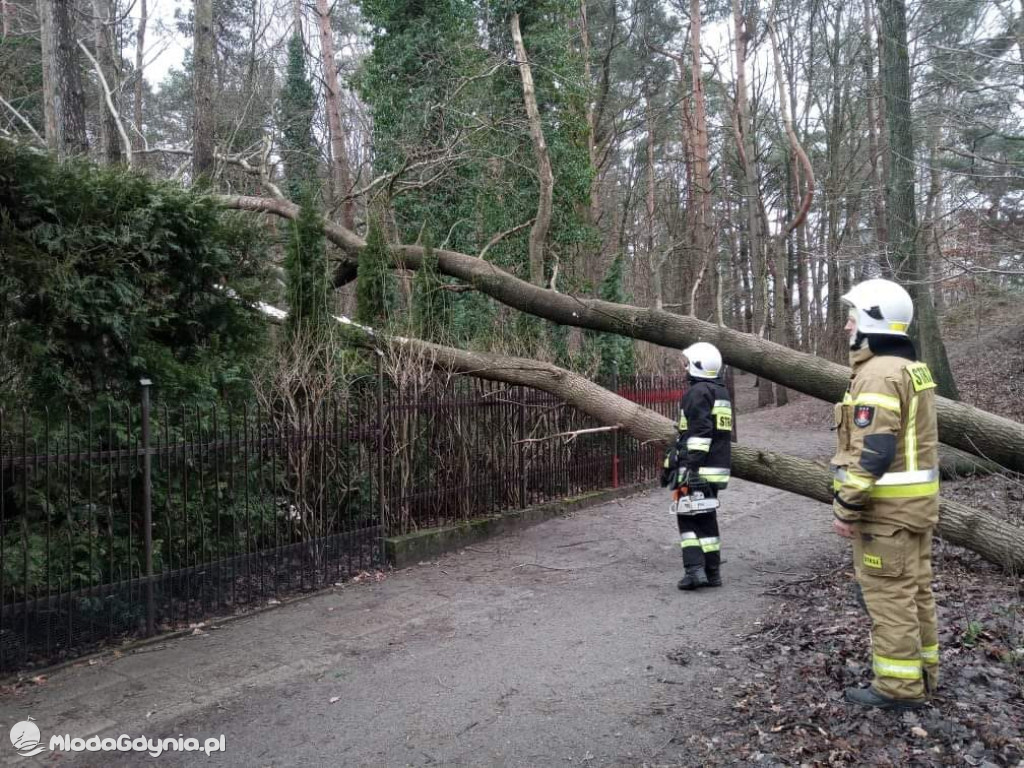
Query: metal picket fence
x,y
143,517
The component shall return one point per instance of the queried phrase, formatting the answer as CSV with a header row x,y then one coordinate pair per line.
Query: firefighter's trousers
x,y
894,568
698,536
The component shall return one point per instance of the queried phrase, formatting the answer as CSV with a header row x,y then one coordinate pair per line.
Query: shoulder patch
x,y
920,376
863,415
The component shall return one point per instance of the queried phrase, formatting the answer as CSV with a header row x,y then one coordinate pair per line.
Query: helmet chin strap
x,y
857,341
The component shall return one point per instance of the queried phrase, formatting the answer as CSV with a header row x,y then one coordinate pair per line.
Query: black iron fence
x,y
143,518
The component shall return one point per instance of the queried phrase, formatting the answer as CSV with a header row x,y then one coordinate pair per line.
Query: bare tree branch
x,y
126,143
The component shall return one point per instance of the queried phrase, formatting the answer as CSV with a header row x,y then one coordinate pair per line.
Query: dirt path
x,y
565,644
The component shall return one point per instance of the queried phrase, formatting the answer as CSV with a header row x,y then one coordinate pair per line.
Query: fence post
x,y
615,438
381,502
147,508
522,448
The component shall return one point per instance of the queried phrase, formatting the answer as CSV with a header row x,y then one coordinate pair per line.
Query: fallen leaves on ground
x,y
816,643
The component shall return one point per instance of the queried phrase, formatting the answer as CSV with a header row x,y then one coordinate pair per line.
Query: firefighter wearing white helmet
x,y
697,468
886,492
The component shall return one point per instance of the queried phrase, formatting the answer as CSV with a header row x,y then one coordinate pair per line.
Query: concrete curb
x,y
413,548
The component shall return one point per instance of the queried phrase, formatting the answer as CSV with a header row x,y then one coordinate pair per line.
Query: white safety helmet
x,y
704,361
882,307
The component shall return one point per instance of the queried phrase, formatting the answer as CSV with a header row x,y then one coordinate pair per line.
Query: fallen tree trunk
x,y
996,540
978,432
955,464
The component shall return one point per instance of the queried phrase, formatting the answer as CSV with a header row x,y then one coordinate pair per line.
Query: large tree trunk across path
x,y
978,432
994,539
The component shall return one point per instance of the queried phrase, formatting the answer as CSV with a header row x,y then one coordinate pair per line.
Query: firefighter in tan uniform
x,y
887,493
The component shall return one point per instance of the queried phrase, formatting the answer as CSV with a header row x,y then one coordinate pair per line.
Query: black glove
x,y
668,469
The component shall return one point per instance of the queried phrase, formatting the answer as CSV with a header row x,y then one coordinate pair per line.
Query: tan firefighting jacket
x,y
886,469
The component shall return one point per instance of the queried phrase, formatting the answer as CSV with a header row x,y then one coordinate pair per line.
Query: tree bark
x,y
779,246
703,233
654,260
963,426
743,127
63,94
110,131
140,45
901,206
545,177
48,50
202,83
874,146
341,175
594,208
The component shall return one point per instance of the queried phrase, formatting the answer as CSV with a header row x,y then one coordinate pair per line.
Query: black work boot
x,y
714,574
869,697
695,577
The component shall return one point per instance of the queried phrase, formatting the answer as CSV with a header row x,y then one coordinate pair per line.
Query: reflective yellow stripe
x,y
683,423
847,399
905,669
911,438
915,491
698,444
861,483
888,402
711,544
689,543
896,478
930,654
714,474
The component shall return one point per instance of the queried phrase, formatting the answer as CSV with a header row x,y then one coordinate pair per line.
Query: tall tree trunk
x,y
874,144
901,205
703,233
546,180
933,212
341,175
48,44
980,433
69,103
743,127
110,135
654,259
594,209
140,46
202,84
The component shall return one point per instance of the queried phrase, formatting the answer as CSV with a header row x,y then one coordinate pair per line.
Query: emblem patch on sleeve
x,y
863,415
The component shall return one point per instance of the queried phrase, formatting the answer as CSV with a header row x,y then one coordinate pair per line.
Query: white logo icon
x,y
25,738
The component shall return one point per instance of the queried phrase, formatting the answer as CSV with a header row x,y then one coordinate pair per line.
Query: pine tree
x,y
306,259
296,108
432,316
375,289
616,352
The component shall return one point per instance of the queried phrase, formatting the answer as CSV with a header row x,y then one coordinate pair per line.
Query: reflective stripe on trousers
x,y
715,474
904,669
711,544
689,539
